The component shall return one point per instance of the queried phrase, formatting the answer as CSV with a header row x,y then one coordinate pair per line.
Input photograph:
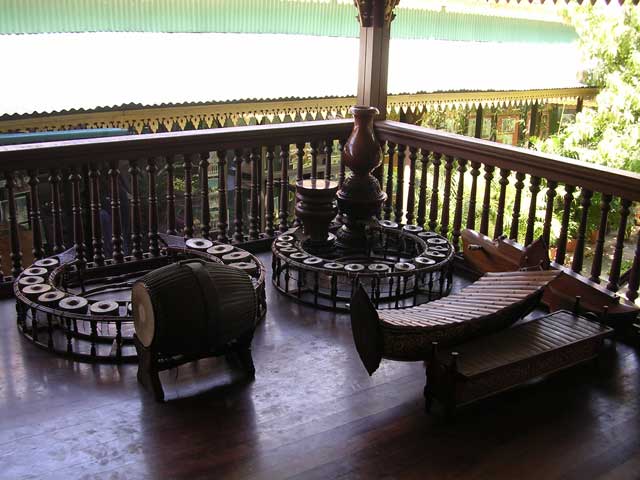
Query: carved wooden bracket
x,y
375,13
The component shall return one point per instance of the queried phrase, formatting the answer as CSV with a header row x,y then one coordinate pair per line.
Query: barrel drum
x,y
189,310
193,306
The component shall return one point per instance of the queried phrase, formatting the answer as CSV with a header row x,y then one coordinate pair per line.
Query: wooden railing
x,y
443,171
111,197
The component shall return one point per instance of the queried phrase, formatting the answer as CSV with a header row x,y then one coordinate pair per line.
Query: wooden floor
x,y
312,413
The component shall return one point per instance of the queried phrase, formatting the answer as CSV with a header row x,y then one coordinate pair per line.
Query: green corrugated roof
x,y
262,16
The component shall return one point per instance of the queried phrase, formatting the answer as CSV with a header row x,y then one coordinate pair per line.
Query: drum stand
x,y
151,362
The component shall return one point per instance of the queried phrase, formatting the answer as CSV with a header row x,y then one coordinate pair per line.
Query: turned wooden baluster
x,y
237,222
534,188
56,211
283,214
223,215
269,213
422,196
152,180
433,209
189,160
578,257
391,147
116,225
614,273
314,159
254,230
299,174
95,205
411,194
503,182
328,150
136,212
596,267
471,214
564,224
486,199
446,200
34,214
341,173
205,210
457,216
16,254
171,199
634,277
76,211
515,218
398,212
548,214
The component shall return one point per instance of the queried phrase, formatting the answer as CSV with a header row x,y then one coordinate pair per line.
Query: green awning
x,y
330,18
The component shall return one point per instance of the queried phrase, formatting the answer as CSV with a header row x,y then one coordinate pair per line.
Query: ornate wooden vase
x,y
360,197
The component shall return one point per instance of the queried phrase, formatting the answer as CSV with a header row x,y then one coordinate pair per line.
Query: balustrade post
x,y
16,254
457,217
548,215
34,214
471,214
411,194
269,214
389,201
503,182
422,197
515,219
254,231
614,273
341,174
116,224
564,224
534,188
136,213
223,216
205,211
314,159
433,209
96,207
446,200
578,256
171,199
189,160
398,212
76,211
56,211
486,201
328,150
283,214
299,174
238,236
596,267
152,234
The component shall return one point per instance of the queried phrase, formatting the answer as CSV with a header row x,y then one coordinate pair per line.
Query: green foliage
x,y
610,133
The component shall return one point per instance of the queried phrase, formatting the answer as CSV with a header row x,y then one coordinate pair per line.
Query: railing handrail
x,y
53,154
597,178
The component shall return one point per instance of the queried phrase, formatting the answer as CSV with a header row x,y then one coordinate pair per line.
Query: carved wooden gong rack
x,y
84,311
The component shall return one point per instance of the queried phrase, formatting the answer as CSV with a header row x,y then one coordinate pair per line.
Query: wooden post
x,y
579,101
478,131
375,18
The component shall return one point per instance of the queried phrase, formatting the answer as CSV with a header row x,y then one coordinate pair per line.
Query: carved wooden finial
x,y
375,13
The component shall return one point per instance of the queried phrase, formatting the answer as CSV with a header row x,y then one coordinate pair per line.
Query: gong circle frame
x,y
328,281
96,338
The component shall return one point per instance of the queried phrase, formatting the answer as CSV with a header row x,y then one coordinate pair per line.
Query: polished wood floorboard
x,y
311,413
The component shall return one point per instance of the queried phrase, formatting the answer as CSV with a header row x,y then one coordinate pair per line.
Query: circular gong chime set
x,y
86,311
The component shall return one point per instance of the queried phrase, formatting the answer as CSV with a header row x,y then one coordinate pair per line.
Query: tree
x,y
609,134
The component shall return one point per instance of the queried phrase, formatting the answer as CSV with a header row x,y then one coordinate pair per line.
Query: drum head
x,y
143,316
